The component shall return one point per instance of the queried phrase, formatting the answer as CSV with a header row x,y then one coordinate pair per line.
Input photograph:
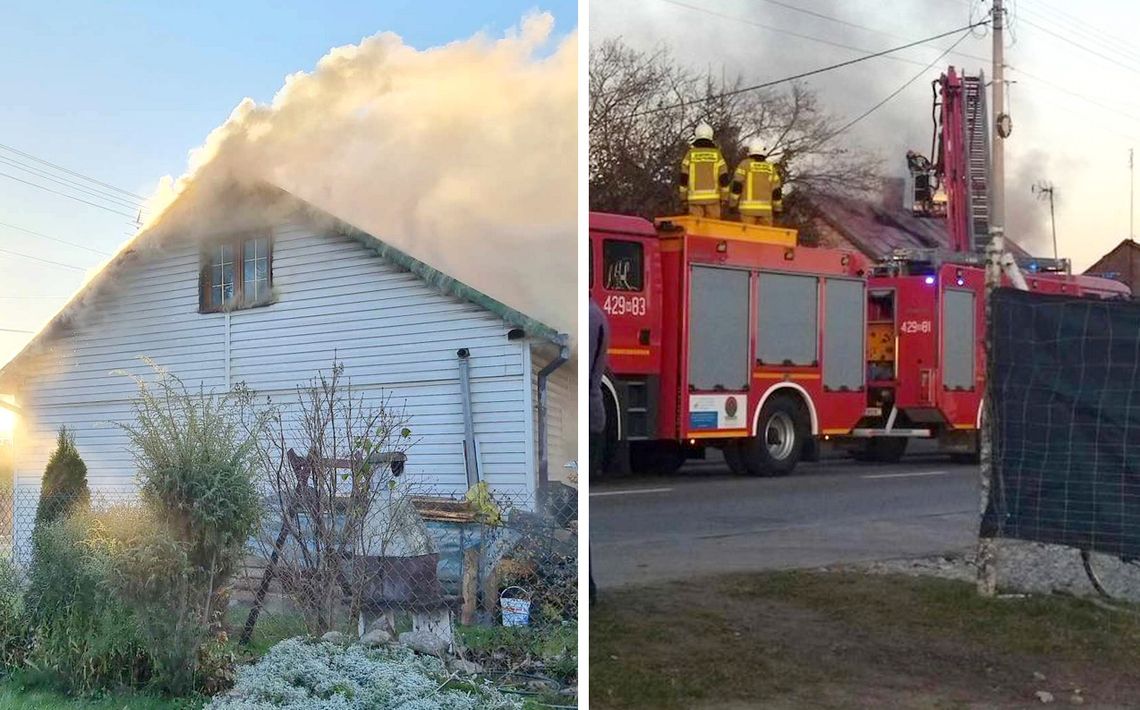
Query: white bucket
x,y
516,611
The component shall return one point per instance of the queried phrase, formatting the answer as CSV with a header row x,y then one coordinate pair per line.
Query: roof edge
x,y
449,285
432,276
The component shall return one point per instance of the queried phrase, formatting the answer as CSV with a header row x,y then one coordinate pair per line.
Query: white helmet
x,y
757,148
704,132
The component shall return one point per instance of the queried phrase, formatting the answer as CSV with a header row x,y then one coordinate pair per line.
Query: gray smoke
x,y
1027,216
728,38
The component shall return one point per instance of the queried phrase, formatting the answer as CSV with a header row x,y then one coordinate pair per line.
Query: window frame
x,y
606,264
237,244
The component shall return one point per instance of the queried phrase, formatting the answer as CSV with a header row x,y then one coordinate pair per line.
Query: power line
x,y
1080,26
15,330
810,38
54,239
899,90
1088,99
1080,46
45,261
109,186
33,298
855,25
806,74
72,185
70,197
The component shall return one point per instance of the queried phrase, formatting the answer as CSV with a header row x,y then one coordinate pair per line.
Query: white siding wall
x,y
394,334
562,411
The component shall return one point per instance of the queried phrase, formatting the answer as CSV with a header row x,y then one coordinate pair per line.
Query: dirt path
x,y
797,639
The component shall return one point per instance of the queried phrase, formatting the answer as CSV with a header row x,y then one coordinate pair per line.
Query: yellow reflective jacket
x,y
753,185
704,175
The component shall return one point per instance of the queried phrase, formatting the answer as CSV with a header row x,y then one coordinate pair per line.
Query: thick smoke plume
x,y
464,156
1027,216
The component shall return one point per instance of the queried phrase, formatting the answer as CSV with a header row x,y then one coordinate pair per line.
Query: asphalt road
x,y
703,520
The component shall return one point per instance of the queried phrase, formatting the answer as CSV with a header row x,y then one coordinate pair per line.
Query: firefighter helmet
x,y
757,148
703,132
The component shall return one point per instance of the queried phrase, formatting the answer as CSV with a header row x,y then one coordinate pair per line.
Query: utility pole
x,y
1000,121
1042,189
987,551
1131,196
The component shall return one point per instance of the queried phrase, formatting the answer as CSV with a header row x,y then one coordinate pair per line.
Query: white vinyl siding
x,y
396,335
562,412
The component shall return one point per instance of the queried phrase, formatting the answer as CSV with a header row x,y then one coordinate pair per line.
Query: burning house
x,y
259,287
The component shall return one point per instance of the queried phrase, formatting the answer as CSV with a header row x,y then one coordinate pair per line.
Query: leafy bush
x,y
13,625
195,476
82,638
301,675
64,486
196,473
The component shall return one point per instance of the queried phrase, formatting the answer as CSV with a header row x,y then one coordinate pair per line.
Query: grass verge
x,y
15,697
821,639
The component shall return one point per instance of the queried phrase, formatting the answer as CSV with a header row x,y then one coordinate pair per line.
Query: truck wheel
x,y
609,461
888,449
734,457
779,441
656,457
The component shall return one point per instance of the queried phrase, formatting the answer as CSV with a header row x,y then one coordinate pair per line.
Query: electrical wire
x,y
790,33
71,185
855,25
54,239
42,260
69,171
16,330
1078,26
1080,46
795,77
899,90
70,197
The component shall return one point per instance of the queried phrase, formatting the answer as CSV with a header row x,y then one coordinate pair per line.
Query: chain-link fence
x,y
484,575
1066,439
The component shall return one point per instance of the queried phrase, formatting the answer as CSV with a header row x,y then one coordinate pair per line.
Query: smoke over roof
x,y
464,156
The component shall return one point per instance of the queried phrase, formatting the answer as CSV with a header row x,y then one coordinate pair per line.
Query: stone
x,y
333,637
376,637
424,642
467,667
1038,675
1077,699
1044,696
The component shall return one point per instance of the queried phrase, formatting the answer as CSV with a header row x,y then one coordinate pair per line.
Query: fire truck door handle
x,y
643,336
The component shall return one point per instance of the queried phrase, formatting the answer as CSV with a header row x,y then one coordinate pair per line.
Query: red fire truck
x,y
925,323
925,349
726,335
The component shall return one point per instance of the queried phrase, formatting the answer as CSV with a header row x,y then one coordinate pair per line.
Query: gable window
x,y
236,273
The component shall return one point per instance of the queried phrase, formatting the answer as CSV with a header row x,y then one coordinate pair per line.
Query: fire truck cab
x,y
728,335
925,347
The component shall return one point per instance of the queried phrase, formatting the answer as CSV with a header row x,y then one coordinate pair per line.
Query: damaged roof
x,y
877,229
438,280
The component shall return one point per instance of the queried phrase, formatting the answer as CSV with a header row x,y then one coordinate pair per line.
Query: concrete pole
x,y
997,187
987,551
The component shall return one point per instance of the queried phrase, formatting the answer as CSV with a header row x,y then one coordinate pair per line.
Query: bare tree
x,y
333,494
644,107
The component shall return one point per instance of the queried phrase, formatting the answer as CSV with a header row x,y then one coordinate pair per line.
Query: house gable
x,y
339,293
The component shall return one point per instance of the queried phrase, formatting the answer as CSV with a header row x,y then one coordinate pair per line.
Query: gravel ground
x,y
1025,567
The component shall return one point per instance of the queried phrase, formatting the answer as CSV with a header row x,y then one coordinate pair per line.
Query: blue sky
x,y
122,91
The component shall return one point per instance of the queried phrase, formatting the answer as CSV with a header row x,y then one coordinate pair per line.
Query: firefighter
x,y
756,190
704,175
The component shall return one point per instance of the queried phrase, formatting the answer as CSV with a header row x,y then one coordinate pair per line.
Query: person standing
x,y
703,179
599,342
756,187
